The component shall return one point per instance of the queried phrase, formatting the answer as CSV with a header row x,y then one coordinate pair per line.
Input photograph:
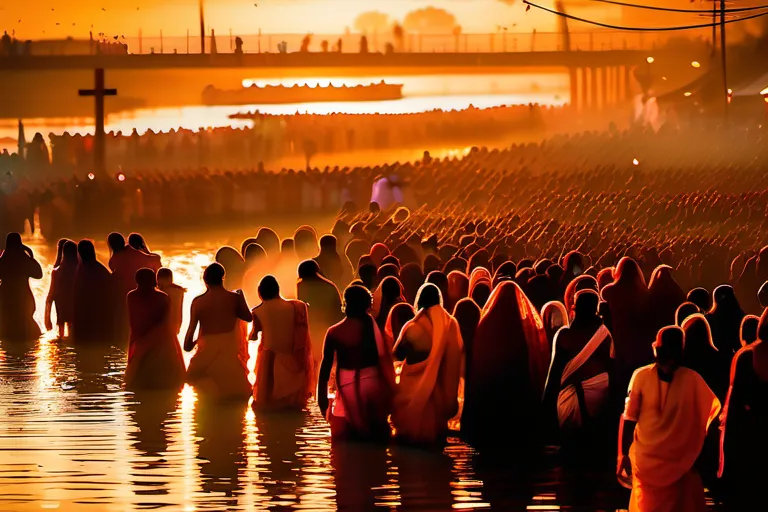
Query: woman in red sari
x,y
509,368
154,354
365,373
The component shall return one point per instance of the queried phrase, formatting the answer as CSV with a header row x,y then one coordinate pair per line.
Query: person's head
x,y
367,274
146,279
164,276
480,293
116,242
13,242
214,275
429,295
749,325
685,310
269,288
357,301
60,251
308,269
725,298
286,247
136,241
328,243
700,297
391,289
69,252
668,348
86,251
254,253
585,305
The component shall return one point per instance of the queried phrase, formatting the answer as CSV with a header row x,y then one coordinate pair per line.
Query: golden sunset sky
x,y
55,18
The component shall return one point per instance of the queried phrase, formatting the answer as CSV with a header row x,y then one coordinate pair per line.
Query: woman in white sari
x,y
218,368
428,392
578,384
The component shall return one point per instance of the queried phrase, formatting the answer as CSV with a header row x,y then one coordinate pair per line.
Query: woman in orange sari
x,y
428,392
285,367
154,354
509,368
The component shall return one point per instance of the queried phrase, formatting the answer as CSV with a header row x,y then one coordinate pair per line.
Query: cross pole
x,y
98,93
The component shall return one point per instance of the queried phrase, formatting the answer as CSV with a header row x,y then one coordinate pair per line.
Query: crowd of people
x,y
520,293
271,137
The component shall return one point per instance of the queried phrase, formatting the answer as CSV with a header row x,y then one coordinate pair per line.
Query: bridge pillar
x,y
627,82
593,88
604,88
573,77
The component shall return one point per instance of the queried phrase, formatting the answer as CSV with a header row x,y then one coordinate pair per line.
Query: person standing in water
x,y
94,298
154,355
17,304
285,366
428,392
61,291
365,373
668,412
218,368
176,294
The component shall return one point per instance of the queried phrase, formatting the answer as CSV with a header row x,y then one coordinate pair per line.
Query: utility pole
x,y
202,28
722,56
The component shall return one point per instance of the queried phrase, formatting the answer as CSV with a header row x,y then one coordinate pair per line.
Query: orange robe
x,y
428,391
672,422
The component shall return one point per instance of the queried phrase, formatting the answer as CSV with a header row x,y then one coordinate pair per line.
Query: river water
x,y
71,438
421,93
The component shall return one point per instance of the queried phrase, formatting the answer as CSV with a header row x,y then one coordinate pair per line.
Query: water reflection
x,y
70,436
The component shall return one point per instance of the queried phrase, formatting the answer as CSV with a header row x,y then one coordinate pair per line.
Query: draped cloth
x,y
363,398
428,392
219,366
286,379
672,422
580,400
155,360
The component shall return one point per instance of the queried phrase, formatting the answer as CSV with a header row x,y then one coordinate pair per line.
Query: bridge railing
x,y
423,43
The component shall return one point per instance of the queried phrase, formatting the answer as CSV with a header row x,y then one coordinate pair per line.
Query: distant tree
x,y
372,21
430,20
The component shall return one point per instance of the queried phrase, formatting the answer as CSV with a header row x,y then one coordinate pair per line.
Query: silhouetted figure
x,y
175,294
427,395
363,44
154,354
17,304
94,298
218,368
365,373
668,412
509,369
324,303
745,420
61,291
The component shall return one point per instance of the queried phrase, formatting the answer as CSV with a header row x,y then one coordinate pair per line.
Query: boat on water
x,y
279,94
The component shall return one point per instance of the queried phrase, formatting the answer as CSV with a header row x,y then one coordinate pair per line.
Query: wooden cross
x,y
99,146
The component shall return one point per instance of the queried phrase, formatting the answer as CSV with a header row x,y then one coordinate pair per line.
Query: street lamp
x,y
649,60
695,64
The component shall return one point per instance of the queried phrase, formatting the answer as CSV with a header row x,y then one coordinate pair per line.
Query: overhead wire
x,y
644,29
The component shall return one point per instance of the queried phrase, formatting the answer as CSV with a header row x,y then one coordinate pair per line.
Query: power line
x,y
682,11
644,29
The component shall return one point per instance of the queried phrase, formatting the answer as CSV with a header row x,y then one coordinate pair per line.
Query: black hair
x,y
269,288
357,301
214,274
429,295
